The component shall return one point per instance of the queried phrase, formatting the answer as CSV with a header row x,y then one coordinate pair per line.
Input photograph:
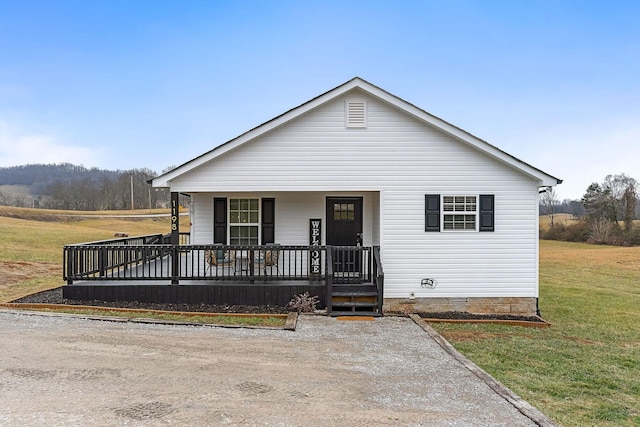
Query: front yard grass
x,y
585,369
276,321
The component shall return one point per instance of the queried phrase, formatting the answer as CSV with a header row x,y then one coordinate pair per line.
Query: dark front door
x,y
344,228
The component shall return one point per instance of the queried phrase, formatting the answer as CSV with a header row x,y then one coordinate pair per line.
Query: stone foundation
x,y
521,306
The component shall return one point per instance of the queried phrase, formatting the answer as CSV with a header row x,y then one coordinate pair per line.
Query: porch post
x,y
175,219
175,237
329,278
175,265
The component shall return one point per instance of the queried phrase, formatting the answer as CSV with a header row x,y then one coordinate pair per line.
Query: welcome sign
x,y
315,233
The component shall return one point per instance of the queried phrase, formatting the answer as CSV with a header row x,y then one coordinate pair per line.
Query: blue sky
x,y
131,84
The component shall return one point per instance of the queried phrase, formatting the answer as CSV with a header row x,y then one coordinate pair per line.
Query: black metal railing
x,y
377,274
353,265
148,258
183,239
100,257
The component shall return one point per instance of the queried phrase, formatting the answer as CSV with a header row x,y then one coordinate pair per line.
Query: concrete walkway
x,y
63,371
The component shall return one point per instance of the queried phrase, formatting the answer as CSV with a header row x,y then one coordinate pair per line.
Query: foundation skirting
x,y
521,306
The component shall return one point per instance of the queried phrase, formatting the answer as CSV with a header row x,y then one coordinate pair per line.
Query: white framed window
x,y
459,213
244,221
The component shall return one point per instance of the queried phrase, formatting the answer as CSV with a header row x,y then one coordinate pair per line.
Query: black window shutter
x,y
268,221
432,212
487,206
220,220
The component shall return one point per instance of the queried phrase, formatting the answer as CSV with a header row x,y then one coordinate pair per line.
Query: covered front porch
x,y
346,279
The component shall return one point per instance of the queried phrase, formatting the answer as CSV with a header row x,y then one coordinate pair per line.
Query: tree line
x,y
605,214
72,187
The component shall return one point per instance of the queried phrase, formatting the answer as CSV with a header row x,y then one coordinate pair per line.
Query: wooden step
x,y
338,299
355,313
364,287
354,299
354,294
354,304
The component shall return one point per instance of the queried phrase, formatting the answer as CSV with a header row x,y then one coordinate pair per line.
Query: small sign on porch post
x,y
315,239
175,219
175,237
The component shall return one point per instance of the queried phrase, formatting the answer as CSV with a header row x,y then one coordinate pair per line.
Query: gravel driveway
x,y
62,371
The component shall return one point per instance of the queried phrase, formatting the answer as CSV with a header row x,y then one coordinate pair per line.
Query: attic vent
x,y
356,114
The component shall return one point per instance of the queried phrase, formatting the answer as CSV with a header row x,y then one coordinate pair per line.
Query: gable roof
x,y
370,89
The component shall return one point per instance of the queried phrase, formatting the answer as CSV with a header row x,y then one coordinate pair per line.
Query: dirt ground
x,y
63,371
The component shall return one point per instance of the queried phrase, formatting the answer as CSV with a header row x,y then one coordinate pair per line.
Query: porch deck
x,y
145,269
275,293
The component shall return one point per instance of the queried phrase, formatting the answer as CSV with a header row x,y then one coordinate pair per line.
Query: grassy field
x,y
562,218
585,369
32,240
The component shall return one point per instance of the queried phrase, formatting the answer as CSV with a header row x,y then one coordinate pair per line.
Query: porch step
x,y
355,294
359,288
355,313
354,299
354,306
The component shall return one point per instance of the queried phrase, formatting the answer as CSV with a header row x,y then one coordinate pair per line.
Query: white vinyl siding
x,y
402,158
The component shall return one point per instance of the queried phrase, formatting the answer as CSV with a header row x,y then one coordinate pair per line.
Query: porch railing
x,y
378,276
353,265
148,258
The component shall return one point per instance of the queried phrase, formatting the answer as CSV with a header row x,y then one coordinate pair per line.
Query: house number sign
x,y
175,219
315,230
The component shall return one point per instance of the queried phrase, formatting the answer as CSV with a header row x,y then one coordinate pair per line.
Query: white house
x,y
456,219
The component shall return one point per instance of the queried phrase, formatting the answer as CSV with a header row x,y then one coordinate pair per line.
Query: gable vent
x,y
356,114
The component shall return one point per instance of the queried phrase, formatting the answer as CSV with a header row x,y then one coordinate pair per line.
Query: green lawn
x,y
585,369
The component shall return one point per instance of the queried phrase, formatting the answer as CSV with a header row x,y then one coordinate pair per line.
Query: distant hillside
x,y
39,177
68,186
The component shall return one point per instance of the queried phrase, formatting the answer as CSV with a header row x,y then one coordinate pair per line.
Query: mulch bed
x,y
456,315
54,296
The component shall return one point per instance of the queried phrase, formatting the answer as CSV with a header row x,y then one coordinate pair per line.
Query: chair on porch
x,y
219,258
268,258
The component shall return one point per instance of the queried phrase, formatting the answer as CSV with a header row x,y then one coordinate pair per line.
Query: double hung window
x,y
459,212
244,221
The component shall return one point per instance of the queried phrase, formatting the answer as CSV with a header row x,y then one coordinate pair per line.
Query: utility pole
x,y
132,192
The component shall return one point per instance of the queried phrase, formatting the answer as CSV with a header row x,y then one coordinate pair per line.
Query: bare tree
x,y
550,200
616,186
629,201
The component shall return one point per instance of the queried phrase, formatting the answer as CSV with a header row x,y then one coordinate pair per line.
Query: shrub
x,y
602,232
303,303
575,232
